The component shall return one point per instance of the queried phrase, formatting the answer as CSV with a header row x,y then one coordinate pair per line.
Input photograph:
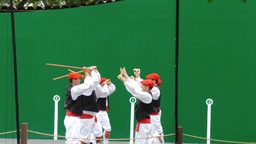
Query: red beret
x,y
102,80
153,76
149,83
159,82
74,75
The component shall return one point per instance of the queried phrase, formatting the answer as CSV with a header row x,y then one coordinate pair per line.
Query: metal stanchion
x,y
56,99
209,103
132,101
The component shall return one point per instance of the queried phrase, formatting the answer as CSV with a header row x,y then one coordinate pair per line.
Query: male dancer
x,y
143,108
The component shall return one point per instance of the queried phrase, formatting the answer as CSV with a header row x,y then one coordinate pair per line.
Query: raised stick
x,y
57,78
60,77
63,66
71,70
74,71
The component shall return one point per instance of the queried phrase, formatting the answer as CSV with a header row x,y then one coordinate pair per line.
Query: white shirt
x,y
155,93
95,81
133,88
105,91
101,92
111,88
77,90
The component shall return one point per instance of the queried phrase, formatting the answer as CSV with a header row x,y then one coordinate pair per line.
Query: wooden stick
x,y
75,72
63,66
71,70
57,78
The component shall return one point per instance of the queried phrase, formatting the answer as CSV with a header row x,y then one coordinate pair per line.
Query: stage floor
x,y
33,141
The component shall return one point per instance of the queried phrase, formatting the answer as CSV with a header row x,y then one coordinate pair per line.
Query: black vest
x,y
68,102
156,103
75,106
101,102
143,110
89,103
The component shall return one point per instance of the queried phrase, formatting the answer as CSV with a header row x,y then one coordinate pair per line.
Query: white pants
x,y
102,116
96,131
160,128
71,124
105,123
156,129
142,133
86,126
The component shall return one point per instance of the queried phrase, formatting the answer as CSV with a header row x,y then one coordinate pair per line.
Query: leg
x,y
97,130
104,120
160,128
72,129
86,126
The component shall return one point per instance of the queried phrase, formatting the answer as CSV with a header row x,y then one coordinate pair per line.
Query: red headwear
x,y
102,80
147,82
74,75
159,82
153,76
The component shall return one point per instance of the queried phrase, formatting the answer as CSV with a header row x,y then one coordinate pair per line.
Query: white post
x,y
56,99
209,102
132,101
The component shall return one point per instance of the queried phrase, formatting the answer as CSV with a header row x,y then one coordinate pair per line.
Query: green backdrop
x,y
217,60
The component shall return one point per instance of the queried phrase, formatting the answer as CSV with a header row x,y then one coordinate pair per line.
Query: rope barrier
x,y
125,139
218,140
4,133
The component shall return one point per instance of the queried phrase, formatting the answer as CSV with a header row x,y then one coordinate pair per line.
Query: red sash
x,y
143,121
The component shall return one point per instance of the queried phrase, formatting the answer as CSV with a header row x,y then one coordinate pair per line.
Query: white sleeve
x,y
101,92
155,93
111,88
137,92
129,81
77,90
138,80
96,78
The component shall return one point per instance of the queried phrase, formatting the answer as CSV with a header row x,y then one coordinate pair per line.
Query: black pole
x,y
176,70
15,73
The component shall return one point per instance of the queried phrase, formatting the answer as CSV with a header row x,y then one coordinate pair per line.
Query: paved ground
x,y
14,141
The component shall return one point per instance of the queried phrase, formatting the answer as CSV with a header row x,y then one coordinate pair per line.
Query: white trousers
x,y
103,118
142,133
71,124
156,129
86,127
96,131
160,128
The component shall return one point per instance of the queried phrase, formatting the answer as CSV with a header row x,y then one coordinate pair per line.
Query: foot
x,y
98,139
107,134
160,139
